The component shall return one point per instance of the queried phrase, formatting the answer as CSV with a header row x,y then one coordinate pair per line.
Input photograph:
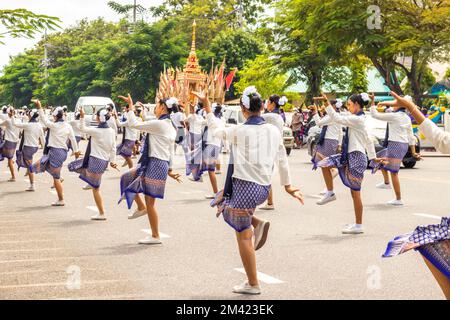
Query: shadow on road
x,y
329,239
73,223
31,209
125,249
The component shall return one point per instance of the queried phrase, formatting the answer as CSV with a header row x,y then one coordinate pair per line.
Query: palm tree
x,y
125,9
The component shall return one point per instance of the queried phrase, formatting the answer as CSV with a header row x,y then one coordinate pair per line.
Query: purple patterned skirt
x,y
328,148
238,211
8,150
52,163
152,182
395,152
125,149
24,158
352,174
432,241
93,173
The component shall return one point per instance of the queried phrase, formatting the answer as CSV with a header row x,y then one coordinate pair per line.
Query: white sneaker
x,y
268,207
12,180
353,229
395,202
245,288
58,204
87,187
150,240
210,196
326,199
137,214
98,217
323,192
30,189
261,232
383,186
192,179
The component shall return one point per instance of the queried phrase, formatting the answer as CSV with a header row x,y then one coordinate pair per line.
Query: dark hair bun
x,y
255,103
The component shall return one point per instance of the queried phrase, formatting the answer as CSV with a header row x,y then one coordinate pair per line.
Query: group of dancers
x,y
344,149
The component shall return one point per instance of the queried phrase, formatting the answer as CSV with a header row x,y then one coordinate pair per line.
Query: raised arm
x,y
352,121
388,117
19,125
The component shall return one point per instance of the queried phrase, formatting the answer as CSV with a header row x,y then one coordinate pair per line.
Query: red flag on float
x,y
230,77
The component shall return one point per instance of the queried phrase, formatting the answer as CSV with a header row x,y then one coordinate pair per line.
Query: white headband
x,y
102,115
248,92
365,97
57,111
283,100
33,113
171,101
339,103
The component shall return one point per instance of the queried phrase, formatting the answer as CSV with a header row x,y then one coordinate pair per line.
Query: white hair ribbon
x,y
248,92
57,111
102,115
365,96
339,103
283,100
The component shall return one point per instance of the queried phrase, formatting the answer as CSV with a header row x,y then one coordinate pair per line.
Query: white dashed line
x,y
428,216
263,277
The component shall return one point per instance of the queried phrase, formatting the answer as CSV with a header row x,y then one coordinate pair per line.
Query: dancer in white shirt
x,y
56,149
352,162
155,165
130,136
399,136
432,242
330,140
9,145
32,135
273,116
100,152
256,147
75,123
193,149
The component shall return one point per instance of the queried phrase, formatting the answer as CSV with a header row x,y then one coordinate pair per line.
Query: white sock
x,y
358,225
329,193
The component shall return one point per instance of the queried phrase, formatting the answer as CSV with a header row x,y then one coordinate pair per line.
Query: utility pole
x,y
135,12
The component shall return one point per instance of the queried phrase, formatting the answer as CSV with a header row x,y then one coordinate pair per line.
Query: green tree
x,y
261,72
409,36
447,74
24,23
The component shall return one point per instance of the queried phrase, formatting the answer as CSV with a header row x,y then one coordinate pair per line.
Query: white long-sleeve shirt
x,y
400,126
359,139
60,132
256,148
103,142
32,131
162,136
11,132
130,133
196,123
438,138
112,124
334,131
76,127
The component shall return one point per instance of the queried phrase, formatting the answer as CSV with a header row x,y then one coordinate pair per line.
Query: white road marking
x,y
59,284
92,208
162,235
262,277
32,250
428,216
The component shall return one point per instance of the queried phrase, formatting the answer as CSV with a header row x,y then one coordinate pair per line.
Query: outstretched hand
x,y
37,103
402,102
295,193
128,100
203,98
175,176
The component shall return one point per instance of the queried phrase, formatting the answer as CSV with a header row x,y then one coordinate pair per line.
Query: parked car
x,y
91,105
232,115
377,131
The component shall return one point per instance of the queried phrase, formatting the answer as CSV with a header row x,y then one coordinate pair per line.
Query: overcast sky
x,y
69,11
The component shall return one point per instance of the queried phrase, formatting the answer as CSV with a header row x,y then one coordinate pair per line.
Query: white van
x,y
91,105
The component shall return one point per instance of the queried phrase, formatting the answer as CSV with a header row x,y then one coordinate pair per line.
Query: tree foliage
x,y
24,23
262,73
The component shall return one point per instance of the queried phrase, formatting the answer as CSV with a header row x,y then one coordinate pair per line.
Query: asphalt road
x,y
58,253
